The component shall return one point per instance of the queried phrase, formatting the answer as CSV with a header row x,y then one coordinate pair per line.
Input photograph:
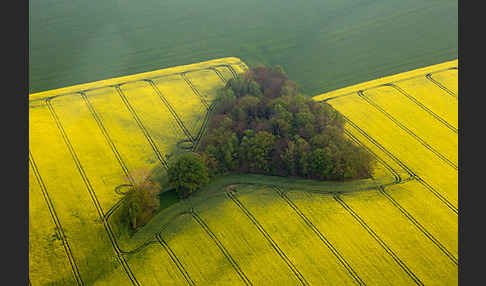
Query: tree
x,y
289,159
141,201
230,152
255,149
263,124
254,89
302,150
321,165
249,104
188,174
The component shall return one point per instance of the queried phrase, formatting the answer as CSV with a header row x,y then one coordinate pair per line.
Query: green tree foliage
x,y
141,201
262,124
187,174
255,149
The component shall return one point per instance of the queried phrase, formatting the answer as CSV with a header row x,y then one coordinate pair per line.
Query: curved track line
x,y
92,194
401,164
268,238
118,156
55,218
202,130
196,92
209,110
139,248
316,231
175,260
418,225
219,74
429,77
398,178
232,70
140,125
423,107
403,210
404,128
117,188
221,247
243,67
379,85
112,145
378,239
151,241
114,208
171,110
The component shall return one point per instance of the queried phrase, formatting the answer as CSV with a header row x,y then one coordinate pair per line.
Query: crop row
x,y
318,233
347,105
103,217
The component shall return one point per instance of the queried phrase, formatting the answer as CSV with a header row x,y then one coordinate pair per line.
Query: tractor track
x,y
382,191
429,77
196,92
151,241
105,217
202,130
229,65
433,114
268,238
210,109
195,141
108,139
142,127
232,70
55,218
404,128
378,239
175,260
92,194
114,208
418,225
384,84
316,231
405,167
171,111
243,67
398,178
221,247
219,74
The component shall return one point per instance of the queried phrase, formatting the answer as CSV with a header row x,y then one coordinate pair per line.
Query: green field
x,y
400,225
323,45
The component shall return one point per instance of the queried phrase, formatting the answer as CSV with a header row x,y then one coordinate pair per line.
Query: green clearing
x,y
267,238
323,45
251,250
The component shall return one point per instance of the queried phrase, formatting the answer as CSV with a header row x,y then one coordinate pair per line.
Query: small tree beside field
x,y
188,174
141,201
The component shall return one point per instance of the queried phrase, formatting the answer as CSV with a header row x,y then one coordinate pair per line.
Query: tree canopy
x,y
262,124
187,174
141,201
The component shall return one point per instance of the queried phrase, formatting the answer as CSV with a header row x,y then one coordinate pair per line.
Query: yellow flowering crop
x,y
399,228
87,140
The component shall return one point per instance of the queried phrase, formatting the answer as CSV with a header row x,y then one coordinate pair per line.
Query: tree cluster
x,y
141,201
262,124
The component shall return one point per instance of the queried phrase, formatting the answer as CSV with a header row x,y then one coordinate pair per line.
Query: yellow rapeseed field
x,y
397,228
87,140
